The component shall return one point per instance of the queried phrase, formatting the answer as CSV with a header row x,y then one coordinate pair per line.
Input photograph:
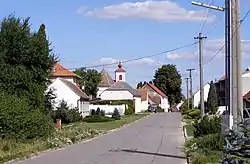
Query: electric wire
x,y
139,58
244,18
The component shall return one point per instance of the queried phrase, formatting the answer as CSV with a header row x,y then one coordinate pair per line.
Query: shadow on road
x,y
148,153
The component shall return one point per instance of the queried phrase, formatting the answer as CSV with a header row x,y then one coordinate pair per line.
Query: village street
x,y
156,139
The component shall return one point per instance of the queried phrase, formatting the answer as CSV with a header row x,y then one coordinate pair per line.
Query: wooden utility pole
x,y
200,38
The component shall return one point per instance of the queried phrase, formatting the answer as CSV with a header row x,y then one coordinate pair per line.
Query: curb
x,y
186,138
34,155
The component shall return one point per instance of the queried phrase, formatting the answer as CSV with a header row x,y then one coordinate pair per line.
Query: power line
x,y
230,39
206,15
139,58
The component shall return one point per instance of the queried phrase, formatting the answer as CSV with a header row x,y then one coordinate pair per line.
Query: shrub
x,y
129,109
207,126
18,122
159,109
97,118
92,112
102,112
194,113
98,111
116,115
65,114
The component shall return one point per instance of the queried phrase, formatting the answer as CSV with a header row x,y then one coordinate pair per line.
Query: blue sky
x,y
91,32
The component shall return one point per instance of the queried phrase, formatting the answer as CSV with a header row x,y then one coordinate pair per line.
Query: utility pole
x,y
228,59
191,86
239,60
187,91
200,38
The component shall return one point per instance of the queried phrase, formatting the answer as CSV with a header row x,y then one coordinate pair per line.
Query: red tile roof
x,y
120,69
144,94
60,71
156,90
247,95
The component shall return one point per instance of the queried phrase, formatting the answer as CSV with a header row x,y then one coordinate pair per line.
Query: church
x,y
119,89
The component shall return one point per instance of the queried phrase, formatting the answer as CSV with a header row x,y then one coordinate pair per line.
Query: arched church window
x,y
120,77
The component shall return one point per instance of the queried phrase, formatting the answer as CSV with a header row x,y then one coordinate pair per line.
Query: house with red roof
x,y
156,96
64,84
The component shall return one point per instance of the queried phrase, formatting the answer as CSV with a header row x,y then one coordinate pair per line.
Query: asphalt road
x,y
156,139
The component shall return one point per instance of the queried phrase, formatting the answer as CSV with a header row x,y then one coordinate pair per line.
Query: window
x,y
120,77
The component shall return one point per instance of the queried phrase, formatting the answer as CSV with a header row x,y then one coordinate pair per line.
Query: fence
x,y
109,108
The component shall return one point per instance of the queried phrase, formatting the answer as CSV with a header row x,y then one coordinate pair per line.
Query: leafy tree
x,y
139,85
90,80
212,100
168,80
25,60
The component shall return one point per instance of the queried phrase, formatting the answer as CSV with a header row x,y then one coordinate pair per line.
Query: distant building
x,y
196,95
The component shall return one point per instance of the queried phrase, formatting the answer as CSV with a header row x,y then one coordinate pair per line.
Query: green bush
x,y
114,102
18,122
208,142
207,126
129,109
102,112
65,114
97,118
186,111
98,111
116,115
159,109
195,113
92,112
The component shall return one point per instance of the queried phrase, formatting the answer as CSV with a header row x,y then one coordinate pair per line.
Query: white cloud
x,y
143,61
181,55
211,47
151,10
81,9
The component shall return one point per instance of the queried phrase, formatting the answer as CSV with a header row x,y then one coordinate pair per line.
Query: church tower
x,y
120,73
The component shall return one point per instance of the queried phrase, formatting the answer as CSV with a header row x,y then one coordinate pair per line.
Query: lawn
x,y
189,130
69,134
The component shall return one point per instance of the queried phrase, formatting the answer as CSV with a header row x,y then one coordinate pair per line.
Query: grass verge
x,y
189,130
69,134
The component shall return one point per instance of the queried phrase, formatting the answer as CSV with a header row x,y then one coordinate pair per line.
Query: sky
x,y
95,32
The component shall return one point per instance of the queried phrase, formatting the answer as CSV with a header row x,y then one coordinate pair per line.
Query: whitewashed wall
x,y
100,90
197,95
116,95
164,104
62,91
138,104
109,108
144,105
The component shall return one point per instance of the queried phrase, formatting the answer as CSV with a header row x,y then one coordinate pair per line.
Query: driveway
x,y
156,139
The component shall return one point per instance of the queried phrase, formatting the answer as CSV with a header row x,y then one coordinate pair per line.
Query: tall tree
x,y
212,100
25,60
90,80
139,85
168,80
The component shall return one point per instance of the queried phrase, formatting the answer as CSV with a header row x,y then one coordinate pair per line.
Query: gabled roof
x,y
154,99
60,71
247,95
144,94
106,80
123,86
157,90
74,88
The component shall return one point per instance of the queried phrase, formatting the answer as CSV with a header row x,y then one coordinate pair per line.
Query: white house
x,y
64,85
196,95
118,89
156,96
